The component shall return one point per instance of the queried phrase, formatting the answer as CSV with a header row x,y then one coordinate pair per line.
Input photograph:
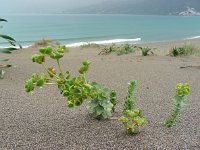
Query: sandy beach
x,y
41,120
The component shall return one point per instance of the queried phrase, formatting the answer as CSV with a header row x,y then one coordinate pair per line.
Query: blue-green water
x,y
69,29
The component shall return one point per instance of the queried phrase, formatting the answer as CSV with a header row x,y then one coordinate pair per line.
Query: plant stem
x,y
58,62
51,83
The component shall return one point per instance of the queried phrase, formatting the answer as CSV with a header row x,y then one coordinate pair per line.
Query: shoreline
x,y
136,41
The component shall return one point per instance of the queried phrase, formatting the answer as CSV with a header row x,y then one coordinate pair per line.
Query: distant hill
x,y
140,7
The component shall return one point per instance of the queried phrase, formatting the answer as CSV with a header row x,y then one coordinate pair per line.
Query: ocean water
x,y
74,30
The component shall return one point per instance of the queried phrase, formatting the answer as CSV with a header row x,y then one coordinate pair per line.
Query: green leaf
x,y
40,82
86,63
28,85
7,37
123,119
1,60
47,50
51,72
34,77
1,19
7,50
70,104
38,58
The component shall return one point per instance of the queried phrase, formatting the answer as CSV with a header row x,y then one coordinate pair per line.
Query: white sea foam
x,y
103,42
191,38
24,46
78,44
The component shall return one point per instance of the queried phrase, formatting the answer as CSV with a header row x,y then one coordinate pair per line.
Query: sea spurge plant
x,y
129,101
182,91
75,89
132,116
100,106
132,120
36,80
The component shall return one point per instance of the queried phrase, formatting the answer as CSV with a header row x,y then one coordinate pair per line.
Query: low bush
x,y
100,106
126,49
75,89
108,49
146,51
187,49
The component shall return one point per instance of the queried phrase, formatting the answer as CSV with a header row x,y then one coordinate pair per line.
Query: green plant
x,y
75,89
113,99
8,50
126,49
129,101
187,49
108,49
132,116
132,120
100,107
179,101
146,51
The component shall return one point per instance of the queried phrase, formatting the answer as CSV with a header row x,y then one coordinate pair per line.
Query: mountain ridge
x,y
139,7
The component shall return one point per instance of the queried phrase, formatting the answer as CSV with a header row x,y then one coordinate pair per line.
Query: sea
x,y
75,30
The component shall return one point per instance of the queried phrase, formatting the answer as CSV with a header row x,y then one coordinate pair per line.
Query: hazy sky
x,y
41,6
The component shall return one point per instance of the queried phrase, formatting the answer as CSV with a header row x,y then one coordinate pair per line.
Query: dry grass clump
x,y
46,42
90,45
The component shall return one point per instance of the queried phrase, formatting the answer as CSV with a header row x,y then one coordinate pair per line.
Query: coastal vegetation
x,y
90,45
125,49
13,43
146,51
187,49
46,42
108,49
101,100
75,89
182,91
132,116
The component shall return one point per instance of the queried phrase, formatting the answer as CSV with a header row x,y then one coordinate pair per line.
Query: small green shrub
x,y
187,49
129,101
146,51
179,101
119,50
132,120
75,89
108,49
126,49
132,116
100,107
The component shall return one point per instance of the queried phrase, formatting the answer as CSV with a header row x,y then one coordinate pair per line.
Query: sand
x,y
41,121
